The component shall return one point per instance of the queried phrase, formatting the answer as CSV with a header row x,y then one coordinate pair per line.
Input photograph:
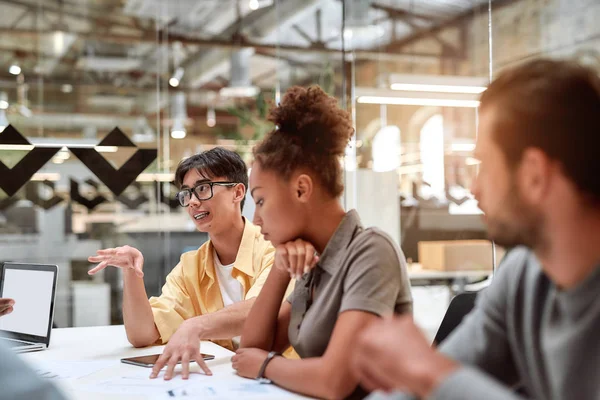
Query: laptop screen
x,y
32,289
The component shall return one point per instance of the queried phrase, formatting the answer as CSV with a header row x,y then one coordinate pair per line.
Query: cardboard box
x,y
458,255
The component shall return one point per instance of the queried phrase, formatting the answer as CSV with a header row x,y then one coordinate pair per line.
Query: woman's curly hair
x,y
311,132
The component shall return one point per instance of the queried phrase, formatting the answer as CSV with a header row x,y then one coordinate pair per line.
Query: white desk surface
x,y
417,273
109,343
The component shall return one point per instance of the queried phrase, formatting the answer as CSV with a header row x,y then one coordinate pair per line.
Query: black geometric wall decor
x,y
133,203
13,179
116,180
32,194
89,203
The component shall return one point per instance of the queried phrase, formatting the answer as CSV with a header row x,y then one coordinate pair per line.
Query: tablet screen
x,y
32,293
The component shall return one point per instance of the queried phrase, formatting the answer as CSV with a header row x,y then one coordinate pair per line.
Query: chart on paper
x,y
227,389
71,369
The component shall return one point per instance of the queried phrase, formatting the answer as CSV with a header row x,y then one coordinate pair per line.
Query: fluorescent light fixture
x,y
46,176
3,120
438,83
241,91
14,69
366,95
462,146
161,177
364,32
3,101
416,87
63,146
106,149
407,101
108,64
15,147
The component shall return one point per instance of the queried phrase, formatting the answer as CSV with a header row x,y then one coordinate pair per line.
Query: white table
x,y
108,344
454,280
432,275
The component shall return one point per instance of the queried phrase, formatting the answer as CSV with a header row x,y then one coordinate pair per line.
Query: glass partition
x,y
99,102
416,81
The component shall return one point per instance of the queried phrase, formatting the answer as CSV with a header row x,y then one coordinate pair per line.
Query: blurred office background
x,y
100,100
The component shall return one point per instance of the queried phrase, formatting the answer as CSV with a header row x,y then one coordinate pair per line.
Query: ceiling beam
x,y
227,44
402,14
289,60
45,8
438,28
304,35
408,18
20,18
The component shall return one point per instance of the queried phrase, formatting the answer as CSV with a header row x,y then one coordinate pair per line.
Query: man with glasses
x,y
210,292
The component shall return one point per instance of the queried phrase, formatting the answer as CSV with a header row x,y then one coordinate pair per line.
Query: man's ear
x,y
303,187
239,193
534,175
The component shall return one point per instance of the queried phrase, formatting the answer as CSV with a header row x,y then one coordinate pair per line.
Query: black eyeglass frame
x,y
192,191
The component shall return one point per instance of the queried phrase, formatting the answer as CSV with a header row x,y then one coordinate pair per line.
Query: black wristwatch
x,y
261,373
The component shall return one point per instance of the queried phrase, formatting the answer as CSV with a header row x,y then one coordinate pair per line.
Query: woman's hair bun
x,y
313,120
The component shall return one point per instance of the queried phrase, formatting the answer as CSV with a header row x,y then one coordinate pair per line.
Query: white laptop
x,y
33,288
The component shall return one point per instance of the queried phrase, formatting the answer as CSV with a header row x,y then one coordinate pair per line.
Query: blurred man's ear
x,y
534,174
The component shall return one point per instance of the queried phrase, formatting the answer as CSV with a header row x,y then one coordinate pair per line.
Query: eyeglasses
x,y
202,191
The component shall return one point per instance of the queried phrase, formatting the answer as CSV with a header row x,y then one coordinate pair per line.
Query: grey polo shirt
x,y
360,269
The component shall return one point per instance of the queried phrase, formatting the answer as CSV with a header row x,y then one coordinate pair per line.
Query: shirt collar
x,y
341,239
244,258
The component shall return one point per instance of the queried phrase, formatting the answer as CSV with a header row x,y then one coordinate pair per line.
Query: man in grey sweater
x,y
19,382
538,324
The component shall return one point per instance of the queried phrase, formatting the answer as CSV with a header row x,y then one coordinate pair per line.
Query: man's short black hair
x,y
213,163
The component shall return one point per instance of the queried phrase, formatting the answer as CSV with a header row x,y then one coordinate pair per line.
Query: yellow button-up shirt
x,y
192,288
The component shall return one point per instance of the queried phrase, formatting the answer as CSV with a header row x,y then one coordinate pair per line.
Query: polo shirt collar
x,y
334,251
